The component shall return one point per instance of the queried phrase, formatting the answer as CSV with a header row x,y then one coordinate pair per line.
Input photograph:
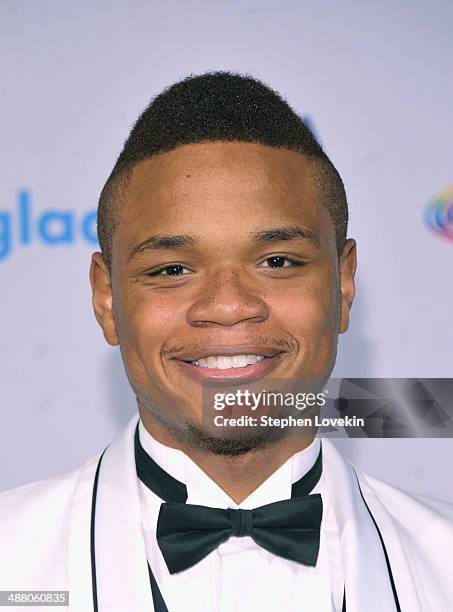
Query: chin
x,y
232,441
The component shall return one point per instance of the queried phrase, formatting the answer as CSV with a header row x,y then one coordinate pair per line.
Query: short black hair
x,y
218,106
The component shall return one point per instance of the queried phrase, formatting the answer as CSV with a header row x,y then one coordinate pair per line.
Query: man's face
x,y
222,249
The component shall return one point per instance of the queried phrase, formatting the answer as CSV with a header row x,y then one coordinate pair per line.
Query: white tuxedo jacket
x,y
81,531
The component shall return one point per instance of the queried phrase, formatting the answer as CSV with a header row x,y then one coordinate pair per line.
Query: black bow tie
x,y
290,529
186,533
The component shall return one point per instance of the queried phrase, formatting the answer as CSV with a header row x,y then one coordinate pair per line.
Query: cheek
x,y
145,325
310,314
310,306
147,317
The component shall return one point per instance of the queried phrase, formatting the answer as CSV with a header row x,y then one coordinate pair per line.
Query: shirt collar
x,y
201,489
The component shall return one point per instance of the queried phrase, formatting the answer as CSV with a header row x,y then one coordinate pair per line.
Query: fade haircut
x,y
218,106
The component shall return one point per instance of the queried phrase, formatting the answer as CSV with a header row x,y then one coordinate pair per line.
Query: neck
x,y
238,475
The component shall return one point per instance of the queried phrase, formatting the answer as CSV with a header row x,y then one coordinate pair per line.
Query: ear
x,y
102,297
348,265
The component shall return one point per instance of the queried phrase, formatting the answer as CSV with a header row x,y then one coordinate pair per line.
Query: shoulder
x,y
424,529
34,523
42,499
416,531
36,511
405,507
410,508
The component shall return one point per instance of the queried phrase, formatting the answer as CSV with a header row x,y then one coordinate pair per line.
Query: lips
x,y
229,364
228,351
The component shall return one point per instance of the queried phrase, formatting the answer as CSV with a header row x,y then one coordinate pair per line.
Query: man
x,y
224,264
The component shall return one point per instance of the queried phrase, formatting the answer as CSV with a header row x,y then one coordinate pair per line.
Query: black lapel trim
x,y
343,607
158,600
155,478
387,560
92,547
307,483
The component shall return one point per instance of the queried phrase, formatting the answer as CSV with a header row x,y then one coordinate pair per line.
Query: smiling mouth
x,y
225,362
225,365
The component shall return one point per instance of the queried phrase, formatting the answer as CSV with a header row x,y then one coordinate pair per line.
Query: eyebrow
x,y
165,241
177,241
287,232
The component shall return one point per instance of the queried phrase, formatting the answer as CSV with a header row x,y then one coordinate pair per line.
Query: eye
x,y
278,261
173,270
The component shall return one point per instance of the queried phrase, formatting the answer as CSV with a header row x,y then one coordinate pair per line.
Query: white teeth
x,y
222,362
239,361
252,359
211,362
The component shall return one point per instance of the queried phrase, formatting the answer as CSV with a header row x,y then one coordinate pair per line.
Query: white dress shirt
x,y
240,575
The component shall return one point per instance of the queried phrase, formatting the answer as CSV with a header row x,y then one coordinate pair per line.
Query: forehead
x,y
232,165
219,187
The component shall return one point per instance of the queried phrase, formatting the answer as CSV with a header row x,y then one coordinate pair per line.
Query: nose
x,y
226,301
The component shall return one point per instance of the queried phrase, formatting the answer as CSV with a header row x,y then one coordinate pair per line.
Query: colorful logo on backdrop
x,y
21,226
439,213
